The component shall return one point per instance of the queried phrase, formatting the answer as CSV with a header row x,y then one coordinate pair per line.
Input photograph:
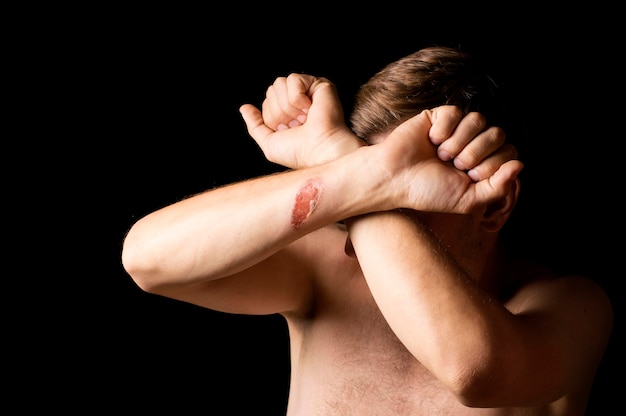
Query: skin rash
x,y
306,200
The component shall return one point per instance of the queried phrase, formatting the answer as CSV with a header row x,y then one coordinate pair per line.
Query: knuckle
x,y
477,120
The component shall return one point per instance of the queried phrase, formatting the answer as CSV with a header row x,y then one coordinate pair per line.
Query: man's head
x,y
425,79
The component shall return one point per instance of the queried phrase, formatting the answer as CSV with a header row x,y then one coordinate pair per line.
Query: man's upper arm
x,y
572,319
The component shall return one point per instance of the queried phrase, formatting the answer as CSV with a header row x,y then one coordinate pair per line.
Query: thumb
x,y
254,123
418,124
500,182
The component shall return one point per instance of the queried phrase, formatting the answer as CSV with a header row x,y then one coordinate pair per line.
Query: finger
x,y
298,92
480,147
287,101
275,107
402,140
470,126
445,120
490,165
325,102
255,124
289,93
497,185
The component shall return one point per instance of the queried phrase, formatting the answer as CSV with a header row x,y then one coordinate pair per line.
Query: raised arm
x,y
444,299
244,229
241,230
526,351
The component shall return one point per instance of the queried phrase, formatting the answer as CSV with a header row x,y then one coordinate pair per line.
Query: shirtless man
x,y
381,250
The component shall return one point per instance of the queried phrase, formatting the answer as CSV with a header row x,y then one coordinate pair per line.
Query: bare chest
x,y
346,360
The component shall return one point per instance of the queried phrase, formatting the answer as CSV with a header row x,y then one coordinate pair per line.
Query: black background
x,y
154,117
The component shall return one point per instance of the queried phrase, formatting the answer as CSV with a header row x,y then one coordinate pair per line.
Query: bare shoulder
x,y
575,300
573,290
571,314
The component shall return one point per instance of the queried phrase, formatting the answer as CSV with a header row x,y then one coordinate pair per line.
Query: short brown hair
x,y
425,79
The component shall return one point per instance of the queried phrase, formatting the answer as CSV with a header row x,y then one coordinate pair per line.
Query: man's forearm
x,y
426,298
225,230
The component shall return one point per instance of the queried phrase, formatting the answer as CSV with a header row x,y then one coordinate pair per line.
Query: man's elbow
x,y
477,382
140,266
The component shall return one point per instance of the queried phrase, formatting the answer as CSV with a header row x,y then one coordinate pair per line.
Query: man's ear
x,y
498,212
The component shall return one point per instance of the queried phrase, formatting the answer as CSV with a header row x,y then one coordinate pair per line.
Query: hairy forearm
x,y
432,305
225,230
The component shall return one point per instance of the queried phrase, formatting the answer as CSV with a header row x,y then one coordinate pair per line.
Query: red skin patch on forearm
x,y
306,200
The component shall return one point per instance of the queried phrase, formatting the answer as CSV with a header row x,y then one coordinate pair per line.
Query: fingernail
x,y
443,155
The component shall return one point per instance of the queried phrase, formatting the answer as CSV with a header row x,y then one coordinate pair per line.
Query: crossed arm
x,y
224,232
301,125
226,246
501,355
